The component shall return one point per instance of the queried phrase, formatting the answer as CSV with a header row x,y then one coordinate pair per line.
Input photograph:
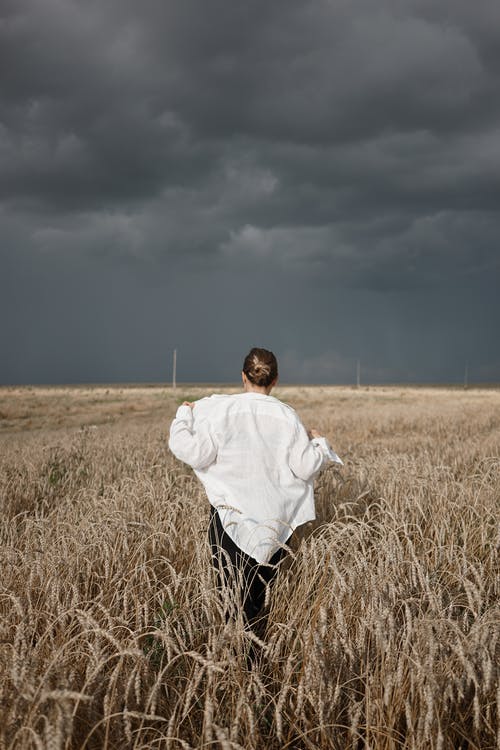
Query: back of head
x,y
260,367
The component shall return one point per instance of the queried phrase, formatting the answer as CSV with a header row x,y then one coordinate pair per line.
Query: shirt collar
x,y
253,394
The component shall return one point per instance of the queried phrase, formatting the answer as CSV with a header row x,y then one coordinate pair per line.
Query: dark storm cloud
x,y
340,148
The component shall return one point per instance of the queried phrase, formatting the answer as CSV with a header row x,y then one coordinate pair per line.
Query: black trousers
x,y
245,578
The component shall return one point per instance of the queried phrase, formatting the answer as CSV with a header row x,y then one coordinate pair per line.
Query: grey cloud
x,y
239,166
164,84
291,71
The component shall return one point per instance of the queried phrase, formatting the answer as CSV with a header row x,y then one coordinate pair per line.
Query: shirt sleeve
x,y
191,440
308,457
328,451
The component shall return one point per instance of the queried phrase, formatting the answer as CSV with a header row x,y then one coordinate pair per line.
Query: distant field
x,y
384,626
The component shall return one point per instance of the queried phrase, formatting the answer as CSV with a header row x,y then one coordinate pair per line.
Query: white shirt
x,y
257,464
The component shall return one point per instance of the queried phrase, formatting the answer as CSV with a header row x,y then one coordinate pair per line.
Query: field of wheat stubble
x,y
383,625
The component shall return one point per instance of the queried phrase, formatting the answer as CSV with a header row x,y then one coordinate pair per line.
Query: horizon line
x,y
236,384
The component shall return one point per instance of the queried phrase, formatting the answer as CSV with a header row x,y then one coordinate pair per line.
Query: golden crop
x,y
384,626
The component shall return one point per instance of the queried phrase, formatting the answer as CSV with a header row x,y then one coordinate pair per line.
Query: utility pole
x,y
466,376
174,373
358,373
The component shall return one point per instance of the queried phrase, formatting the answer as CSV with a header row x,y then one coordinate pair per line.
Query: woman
x,y
257,463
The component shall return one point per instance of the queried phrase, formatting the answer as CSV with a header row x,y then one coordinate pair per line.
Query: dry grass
x,y
384,628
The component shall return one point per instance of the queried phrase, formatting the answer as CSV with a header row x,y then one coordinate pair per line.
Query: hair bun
x,y
261,367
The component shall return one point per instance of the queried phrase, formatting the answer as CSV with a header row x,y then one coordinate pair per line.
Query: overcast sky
x,y
318,177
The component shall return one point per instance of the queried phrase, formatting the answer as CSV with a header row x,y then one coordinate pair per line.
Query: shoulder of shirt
x,y
288,410
208,403
214,397
287,406
211,403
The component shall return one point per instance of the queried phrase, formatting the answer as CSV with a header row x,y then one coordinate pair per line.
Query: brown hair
x,y
260,367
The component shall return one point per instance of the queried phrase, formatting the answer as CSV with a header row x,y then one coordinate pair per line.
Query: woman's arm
x,y
190,440
309,456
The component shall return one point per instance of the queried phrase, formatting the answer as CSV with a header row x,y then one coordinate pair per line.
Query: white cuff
x,y
327,450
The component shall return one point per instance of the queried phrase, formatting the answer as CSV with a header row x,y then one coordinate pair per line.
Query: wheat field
x,y
383,627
